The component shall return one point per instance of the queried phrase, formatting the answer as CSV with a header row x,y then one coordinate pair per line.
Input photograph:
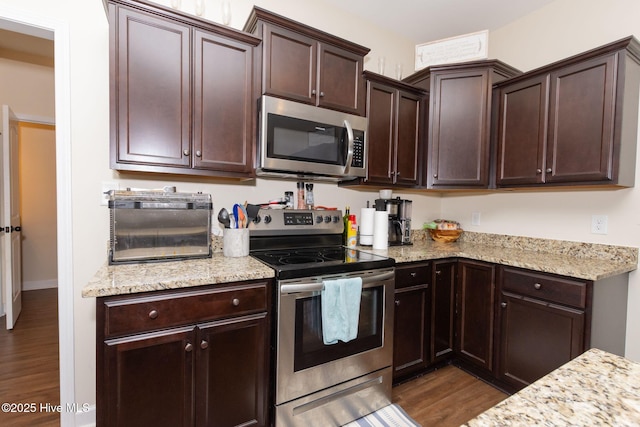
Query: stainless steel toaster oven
x,y
158,226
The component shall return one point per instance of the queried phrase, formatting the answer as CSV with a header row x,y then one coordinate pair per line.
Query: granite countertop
x,y
145,277
596,388
573,259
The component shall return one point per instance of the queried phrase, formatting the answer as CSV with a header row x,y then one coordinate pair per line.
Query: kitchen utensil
x,y
240,214
252,212
223,218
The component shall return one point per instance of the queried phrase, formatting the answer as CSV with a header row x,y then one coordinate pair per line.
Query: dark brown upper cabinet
x,y
307,65
459,136
395,112
571,122
182,93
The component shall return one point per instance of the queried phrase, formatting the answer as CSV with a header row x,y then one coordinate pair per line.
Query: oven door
x,y
304,363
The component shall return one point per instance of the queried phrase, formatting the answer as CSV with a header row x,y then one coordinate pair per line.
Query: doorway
x,y
30,22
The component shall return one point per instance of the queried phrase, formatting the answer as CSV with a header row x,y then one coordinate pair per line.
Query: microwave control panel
x,y
358,149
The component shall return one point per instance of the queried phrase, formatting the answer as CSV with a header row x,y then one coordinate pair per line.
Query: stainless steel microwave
x,y
303,141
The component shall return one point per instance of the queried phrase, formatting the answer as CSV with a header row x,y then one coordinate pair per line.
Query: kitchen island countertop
x,y
572,259
596,388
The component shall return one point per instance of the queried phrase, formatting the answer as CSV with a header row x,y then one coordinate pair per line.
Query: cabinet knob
x,y
235,302
538,171
204,345
435,175
313,92
503,305
548,170
413,274
198,153
153,314
397,302
186,152
188,347
438,272
537,285
321,94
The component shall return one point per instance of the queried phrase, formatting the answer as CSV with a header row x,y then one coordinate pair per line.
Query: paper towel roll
x,y
380,230
366,226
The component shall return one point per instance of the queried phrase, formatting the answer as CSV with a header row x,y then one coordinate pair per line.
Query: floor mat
x,y
389,416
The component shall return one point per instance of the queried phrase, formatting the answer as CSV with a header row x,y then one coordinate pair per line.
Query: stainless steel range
x,y
317,383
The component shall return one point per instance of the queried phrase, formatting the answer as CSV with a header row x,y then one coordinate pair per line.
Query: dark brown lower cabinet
x,y
475,306
443,309
536,338
411,320
542,324
183,358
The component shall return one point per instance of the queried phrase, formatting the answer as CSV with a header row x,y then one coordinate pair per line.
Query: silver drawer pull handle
x,y
537,285
235,302
153,314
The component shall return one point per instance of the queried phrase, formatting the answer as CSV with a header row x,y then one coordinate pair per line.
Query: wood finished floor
x,y
446,397
29,368
29,373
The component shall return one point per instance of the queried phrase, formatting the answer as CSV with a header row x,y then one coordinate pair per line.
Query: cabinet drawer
x,y
546,287
412,275
143,313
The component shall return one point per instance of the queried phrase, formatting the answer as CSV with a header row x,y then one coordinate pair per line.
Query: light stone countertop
x,y
144,277
573,259
595,389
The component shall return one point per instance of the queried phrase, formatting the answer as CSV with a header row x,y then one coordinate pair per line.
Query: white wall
x,y
38,206
561,29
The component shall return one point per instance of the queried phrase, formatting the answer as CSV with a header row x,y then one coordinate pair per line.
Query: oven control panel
x,y
289,221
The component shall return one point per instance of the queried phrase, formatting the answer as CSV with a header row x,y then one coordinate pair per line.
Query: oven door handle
x,y
367,281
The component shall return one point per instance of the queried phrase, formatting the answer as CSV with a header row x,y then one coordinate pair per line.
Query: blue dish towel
x,y
340,309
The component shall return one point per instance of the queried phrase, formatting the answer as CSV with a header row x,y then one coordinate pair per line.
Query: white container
x,y
386,194
235,242
380,230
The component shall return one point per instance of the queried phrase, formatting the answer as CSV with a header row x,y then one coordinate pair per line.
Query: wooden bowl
x,y
446,236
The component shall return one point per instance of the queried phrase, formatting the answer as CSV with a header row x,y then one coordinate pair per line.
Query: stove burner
x,y
299,260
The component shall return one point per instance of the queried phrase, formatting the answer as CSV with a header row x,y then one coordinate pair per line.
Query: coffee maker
x,y
399,211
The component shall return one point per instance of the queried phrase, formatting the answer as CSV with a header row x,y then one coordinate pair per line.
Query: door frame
x,y
51,28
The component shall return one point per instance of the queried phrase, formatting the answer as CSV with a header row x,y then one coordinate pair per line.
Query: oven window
x,y
296,139
309,349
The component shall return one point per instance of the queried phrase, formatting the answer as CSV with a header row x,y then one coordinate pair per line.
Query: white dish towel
x,y
340,301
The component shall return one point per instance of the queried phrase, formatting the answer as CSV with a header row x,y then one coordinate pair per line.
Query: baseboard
x,y
34,285
85,416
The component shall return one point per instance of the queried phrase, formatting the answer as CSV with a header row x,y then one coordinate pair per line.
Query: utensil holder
x,y
235,242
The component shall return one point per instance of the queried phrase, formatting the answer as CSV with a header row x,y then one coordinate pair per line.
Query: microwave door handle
x,y
347,165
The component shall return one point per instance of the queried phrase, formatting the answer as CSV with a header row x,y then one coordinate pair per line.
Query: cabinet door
x,y
340,86
459,129
148,379
581,121
289,64
476,298
381,133
411,335
536,337
232,376
443,312
408,139
522,135
151,82
223,104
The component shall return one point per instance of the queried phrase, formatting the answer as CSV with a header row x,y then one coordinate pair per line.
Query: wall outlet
x,y
475,218
599,224
106,187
